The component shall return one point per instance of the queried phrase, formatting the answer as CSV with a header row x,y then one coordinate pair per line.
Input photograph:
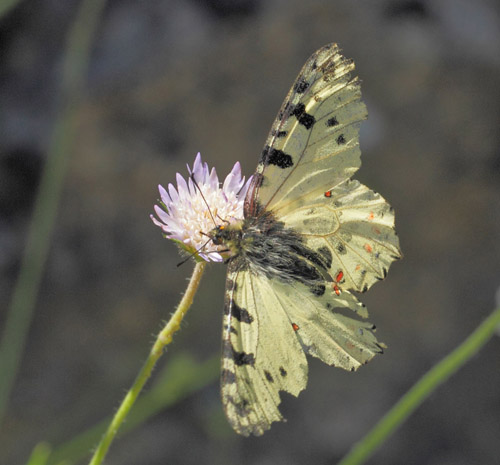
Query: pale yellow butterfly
x,y
309,236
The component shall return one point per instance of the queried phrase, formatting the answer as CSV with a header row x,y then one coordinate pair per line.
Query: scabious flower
x,y
192,210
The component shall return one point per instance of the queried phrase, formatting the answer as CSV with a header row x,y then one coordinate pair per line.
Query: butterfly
x,y
310,235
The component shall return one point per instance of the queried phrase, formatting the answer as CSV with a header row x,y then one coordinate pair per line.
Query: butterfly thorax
x,y
228,235
263,245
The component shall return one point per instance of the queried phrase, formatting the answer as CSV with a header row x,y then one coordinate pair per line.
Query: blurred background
x,y
170,78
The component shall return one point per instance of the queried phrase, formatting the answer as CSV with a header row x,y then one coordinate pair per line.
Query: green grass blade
x,y
21,308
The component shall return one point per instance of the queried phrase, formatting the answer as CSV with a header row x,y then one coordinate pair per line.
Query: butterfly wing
x,y
313,144
352,228
303,176
268,327
261,355
324,330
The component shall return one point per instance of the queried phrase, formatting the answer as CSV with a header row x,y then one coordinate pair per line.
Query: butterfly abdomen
x,y
267,247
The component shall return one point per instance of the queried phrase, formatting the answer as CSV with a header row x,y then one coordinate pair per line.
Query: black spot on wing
x,y
318,289
241,406
239,358
303,118
227,376
269,376
307,120
241,314
283,372
341,248
300,86
278,134
332,122
341,139
272,156
242,358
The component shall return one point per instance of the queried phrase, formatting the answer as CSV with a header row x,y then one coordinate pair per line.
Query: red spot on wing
x,y
336,289
371,216
328,194
358,267
368,248
340,276
295,326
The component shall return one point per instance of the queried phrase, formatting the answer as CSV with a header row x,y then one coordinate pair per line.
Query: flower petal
x,y
182,186
161,214
213,180
172,192
163,194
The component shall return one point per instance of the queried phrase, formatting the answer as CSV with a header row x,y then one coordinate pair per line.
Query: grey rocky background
x,y
170,78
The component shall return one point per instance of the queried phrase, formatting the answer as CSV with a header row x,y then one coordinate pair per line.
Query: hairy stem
x,y
163,339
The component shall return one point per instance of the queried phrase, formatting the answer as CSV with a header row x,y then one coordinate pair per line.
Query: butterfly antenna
x,y
191,175
194,253
222,219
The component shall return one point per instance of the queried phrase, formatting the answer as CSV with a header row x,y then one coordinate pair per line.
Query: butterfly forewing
x,y
313,144
256,367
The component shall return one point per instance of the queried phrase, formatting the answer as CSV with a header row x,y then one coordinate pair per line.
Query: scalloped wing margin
x,y
268,328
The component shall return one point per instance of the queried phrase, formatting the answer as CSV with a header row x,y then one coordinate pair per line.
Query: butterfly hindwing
x,y
353,228
268,327
324,330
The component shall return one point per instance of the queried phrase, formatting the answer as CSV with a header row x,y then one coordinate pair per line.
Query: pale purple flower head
x,y
185,217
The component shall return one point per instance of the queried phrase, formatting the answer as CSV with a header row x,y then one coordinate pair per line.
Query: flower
x,y
187,214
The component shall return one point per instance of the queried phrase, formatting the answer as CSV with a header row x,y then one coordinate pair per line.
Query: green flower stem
x,y
22,304
420,391
163,339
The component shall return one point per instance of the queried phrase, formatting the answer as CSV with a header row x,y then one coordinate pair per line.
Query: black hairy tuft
x,y
268,248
